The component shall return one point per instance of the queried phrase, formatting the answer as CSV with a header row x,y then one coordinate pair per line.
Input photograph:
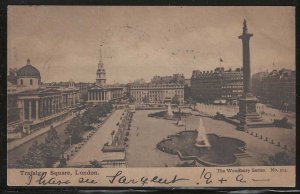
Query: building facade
x,y
34,106
257,83
157,93
278,88
107,93
220,84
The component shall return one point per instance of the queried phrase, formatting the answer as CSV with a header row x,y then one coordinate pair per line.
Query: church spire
x,y
100,59
101,74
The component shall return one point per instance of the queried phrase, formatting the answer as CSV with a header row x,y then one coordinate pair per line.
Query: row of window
x,y
157,87
30,82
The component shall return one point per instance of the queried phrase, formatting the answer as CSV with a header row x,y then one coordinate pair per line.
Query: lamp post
x,y
286,107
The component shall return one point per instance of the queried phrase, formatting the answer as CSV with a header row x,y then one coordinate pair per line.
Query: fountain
x,y
179,122
169,114
202,140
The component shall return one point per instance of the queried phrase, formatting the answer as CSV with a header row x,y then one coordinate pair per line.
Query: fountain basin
x,y
222,150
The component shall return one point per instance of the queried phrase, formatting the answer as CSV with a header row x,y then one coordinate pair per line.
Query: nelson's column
x,y
247,103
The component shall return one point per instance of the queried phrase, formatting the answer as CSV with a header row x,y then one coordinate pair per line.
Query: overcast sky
x,y
140,42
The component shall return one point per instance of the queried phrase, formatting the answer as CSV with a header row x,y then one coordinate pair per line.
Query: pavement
x,y
92,149
143,137
258,149
142,150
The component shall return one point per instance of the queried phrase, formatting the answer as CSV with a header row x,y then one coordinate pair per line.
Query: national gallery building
x,y
32,105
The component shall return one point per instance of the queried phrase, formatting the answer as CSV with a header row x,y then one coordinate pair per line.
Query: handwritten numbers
x,y
206,175
240,178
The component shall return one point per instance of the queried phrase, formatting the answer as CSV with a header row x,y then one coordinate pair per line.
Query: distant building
x,y
187,89
173,79
138,81
278,88
83,90
100,92
82,86
157,93
33,105
210,86
257,83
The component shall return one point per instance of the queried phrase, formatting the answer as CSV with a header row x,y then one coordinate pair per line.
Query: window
x,y
21,82
30,81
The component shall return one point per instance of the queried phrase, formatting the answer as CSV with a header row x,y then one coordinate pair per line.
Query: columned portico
x,y
37,109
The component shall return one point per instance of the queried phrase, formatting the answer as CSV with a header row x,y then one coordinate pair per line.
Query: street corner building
x,y
161,89
32,105
218,85
276,88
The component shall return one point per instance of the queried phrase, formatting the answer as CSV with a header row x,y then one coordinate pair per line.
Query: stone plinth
x,y
247,110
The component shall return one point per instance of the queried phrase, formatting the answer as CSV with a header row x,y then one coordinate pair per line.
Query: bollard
x,y
278,144
266,139
256,135
272,141
261,136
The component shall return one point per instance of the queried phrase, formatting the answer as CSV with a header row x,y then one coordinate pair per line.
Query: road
x,y
92,149
228,110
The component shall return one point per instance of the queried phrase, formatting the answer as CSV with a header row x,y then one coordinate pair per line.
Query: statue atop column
x,y
247,103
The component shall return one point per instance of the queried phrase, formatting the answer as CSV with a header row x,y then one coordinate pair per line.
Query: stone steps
x,y
242,155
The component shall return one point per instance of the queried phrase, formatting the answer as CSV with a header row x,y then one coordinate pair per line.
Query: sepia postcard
x,y
151,96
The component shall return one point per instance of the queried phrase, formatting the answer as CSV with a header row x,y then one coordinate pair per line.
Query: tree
x,y
279,159
74,128
46,154
33,158
42,155
52,140
90,116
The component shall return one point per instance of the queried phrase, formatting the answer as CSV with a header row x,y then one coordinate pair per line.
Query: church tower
x,y
101,74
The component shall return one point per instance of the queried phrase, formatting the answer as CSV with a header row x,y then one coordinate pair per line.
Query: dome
x,y
28,71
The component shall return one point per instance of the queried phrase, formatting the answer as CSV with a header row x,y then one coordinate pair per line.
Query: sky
x,y
140,42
